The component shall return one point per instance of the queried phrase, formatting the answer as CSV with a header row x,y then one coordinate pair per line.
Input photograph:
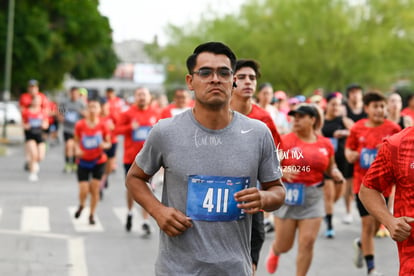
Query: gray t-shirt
x,y
72,112
245,148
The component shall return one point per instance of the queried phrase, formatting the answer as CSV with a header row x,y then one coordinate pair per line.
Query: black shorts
x,y
37,137
68,136
111,151
53,127
258,236
361,208
126,168
96,171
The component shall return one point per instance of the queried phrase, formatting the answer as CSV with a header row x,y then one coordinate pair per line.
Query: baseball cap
x,y
83,91
304,110
280,95
33,82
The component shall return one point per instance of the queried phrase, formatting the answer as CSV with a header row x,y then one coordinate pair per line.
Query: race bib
x,y
210,198
35,122
91,141
366,157
334,142
71,116
295,194
141,133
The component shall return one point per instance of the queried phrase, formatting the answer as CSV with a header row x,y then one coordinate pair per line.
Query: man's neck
x,y
241,105
213,118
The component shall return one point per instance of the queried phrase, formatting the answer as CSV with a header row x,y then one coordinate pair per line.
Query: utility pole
x,y
8,63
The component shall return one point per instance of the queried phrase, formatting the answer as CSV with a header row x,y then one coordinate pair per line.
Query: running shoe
x,y
146,228
91,220
33,177
74,167
79,212
359,256
347,219
375,273
382,232
67,168
26,166
272,262
128,225
330,233
269,227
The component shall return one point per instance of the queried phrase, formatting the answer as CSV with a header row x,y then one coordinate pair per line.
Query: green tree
x,y
54,38
306,44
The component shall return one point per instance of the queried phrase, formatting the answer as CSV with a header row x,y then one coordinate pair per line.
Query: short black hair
x,y
241,63
352,86
217,48
373,96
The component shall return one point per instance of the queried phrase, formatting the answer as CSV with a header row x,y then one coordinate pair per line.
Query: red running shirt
x,y
260,114
134,138
394,165
310,160
90,139
111,120
366,141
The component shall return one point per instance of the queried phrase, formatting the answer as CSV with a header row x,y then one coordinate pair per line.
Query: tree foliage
x,y
54,38
306,44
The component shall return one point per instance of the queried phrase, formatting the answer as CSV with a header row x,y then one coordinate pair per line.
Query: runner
x,y
394,165
35,121
336,127
247,71
25,101
201,234
264,100
71,111
135,124
92,137
361,149
181,102
111,119
355,111
306,157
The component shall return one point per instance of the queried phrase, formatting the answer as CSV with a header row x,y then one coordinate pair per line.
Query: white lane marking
x,y
77,257
35,219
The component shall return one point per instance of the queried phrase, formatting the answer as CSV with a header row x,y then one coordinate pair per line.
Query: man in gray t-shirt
x,y
212,158
70,111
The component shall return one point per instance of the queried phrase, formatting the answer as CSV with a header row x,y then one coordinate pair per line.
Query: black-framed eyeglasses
x,y
206,74
243,76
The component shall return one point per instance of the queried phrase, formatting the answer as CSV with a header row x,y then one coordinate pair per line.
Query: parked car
x,y
11,109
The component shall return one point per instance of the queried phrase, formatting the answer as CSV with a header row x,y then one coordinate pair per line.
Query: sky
x,y
142,20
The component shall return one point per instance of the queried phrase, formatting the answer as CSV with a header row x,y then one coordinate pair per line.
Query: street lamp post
x,y
8,63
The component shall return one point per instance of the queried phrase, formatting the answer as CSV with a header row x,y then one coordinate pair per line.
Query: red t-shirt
x,y
260,114
407,112
52,109
111,120
115,106
134,138
35,119
310,160
26,99
366,141
90,140
394,165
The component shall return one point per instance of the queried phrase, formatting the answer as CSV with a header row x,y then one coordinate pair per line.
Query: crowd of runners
x,y
326,142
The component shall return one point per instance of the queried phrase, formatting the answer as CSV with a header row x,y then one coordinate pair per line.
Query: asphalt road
x,y
39,236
